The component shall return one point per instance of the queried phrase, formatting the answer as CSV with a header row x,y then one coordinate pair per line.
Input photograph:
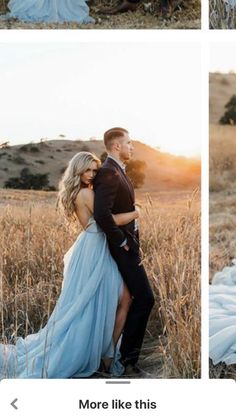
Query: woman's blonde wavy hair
x,y
70,183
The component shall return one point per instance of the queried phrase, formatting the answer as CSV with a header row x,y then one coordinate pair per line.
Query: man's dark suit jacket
x,y
114,194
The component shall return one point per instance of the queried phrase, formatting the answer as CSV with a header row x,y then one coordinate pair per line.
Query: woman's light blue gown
x,y
50,11
222,308
79,331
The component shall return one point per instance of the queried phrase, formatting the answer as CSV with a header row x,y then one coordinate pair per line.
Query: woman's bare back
x,y
84,205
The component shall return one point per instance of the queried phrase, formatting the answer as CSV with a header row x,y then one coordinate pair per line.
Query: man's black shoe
x,y
134,371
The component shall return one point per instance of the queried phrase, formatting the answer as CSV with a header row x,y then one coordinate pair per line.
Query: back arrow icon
x,y
13,404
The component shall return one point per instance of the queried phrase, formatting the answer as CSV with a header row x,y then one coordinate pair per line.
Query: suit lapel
x,y
123,176
129,184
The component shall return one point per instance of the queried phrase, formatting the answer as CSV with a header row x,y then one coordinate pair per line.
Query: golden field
x,y
222,211
222,183
222,174
34,238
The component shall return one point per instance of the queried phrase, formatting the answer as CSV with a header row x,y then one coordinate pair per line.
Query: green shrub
x,y
229,117
28,180
34,149
18,160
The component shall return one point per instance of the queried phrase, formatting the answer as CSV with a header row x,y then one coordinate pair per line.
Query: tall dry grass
x,y
34,239
221,15
222,211
222,180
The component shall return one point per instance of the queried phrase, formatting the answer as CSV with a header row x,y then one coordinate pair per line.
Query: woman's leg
x,y
121,314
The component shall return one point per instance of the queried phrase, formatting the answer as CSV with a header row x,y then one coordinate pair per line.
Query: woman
x,y
50,11
87,321
222,308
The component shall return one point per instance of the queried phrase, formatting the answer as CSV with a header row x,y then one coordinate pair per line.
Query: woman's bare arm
x,y
125,217
120,219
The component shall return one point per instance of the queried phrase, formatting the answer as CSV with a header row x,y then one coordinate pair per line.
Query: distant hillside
x,y
164,171
222,87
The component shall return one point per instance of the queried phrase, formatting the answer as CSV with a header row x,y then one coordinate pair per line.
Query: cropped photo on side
x,y
222,14
100,211
100,14
222,182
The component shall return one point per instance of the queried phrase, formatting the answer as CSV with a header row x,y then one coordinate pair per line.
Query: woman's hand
x,y
126,217
137,209
126,247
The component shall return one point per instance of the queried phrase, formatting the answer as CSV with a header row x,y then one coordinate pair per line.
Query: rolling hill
x,y
164,171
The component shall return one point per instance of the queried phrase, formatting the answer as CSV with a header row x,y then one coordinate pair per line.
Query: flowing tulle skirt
x,y
50,11
222,325
79,331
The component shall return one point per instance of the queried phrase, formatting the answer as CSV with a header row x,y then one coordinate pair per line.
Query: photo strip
x,y
100,222
222,154
102,14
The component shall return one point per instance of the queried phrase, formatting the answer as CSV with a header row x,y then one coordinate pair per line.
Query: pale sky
x,y
82,89
223,57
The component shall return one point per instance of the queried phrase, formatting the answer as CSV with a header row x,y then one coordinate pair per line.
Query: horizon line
x,y
93,138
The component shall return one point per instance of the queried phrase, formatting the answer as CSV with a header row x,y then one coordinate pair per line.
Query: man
x,y
122,6
114,194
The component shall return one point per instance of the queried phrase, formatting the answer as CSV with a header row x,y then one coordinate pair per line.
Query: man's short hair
x,y
112,134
